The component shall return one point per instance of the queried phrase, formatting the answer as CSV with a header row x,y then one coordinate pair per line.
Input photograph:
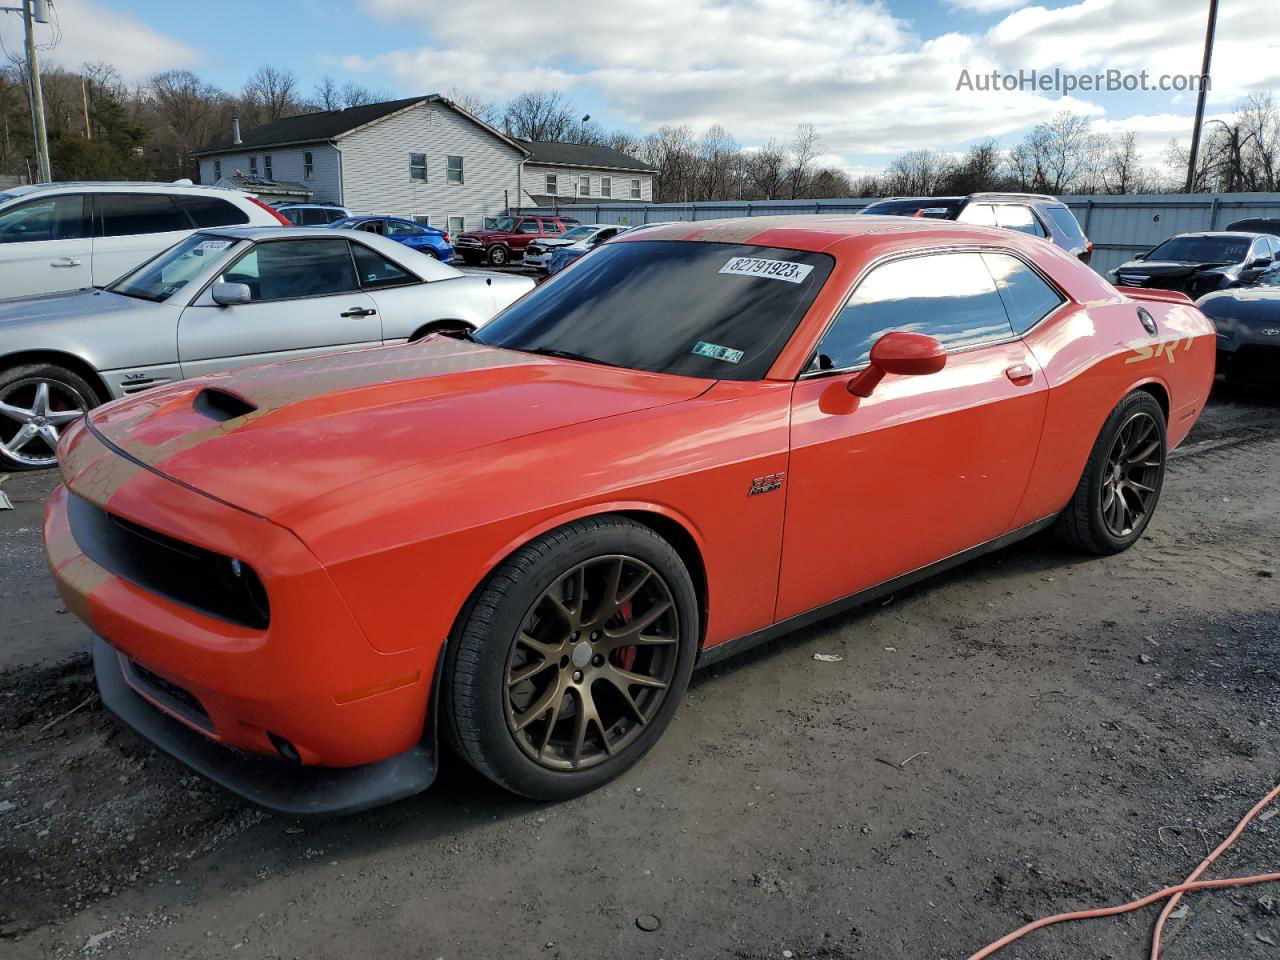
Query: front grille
x,y
1128,280
191,576
177,699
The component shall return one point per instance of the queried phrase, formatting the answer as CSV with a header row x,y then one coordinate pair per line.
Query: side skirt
x,y
729,648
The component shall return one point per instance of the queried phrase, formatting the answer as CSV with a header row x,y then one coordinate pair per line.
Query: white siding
x,y
535,182
286,164
375,167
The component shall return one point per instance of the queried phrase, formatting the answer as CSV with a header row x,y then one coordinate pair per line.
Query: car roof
x,y
1218,233
118,186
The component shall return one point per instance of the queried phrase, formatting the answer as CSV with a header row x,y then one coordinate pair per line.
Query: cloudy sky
x,y
875,78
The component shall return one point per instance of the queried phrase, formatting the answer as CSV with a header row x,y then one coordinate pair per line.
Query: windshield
x,y
504,224
1202,249
715,310
159,279
933,207
578,233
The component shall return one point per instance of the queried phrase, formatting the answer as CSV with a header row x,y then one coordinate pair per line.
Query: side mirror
x,y
904,354
230,294
1260,262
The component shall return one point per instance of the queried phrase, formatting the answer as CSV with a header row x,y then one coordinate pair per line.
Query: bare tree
x,y
1058,152
271,93
538,115
326,95
918,173
767,170
478,107
357,95
804,148
981,168
1122,170
717,161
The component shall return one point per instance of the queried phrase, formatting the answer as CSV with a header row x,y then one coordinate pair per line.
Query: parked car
x,y
562,256
68,236
301,576
1199,263
538,253
432,241
217,300
1269,225
1033,213
1248,324
311,214
507,240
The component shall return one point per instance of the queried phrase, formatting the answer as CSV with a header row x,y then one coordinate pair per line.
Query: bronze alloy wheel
x,y
592,662
1131,479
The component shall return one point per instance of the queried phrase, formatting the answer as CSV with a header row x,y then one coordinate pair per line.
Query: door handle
x,y
1020,374
65,262
357,312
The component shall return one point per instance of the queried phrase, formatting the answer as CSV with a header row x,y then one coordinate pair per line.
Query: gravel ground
x,y
1031,733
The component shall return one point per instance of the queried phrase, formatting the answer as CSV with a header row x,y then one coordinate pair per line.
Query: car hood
x,y
75,305
553,242
1247,304
269,438
483,235
1168,269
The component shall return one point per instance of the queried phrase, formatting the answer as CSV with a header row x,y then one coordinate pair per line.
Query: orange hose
x,y
1174,893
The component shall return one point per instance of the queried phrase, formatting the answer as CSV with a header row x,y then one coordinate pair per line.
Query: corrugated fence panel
x,y
1118,226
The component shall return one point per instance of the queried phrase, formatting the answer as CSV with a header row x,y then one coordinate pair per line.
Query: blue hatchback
x,y
432,241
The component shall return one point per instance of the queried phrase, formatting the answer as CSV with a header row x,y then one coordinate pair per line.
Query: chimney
x,y
235,130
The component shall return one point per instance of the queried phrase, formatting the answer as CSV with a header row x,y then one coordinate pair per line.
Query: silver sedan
x,y
217,300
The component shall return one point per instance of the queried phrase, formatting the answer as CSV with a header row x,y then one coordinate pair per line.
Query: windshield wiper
x,y
568,355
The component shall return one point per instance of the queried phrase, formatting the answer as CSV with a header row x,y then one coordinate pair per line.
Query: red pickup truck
x,y
506,240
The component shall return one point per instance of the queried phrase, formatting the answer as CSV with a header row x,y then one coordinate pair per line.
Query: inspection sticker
x,y
716,352
213,244
770,269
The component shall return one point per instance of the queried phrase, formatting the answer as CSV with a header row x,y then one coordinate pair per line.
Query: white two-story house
x,y
420,157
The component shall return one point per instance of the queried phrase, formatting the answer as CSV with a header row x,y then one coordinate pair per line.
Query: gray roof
x,y
559,154
328,125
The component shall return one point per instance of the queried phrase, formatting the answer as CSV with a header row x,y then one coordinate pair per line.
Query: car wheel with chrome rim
x,y
572,658
37,402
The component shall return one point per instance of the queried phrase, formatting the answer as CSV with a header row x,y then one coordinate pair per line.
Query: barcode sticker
x,y
769,269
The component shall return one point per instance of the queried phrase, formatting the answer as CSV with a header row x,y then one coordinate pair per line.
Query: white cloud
x,y
864,77
88,32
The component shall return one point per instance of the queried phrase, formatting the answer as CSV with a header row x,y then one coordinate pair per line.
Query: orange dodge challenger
x,y
303,576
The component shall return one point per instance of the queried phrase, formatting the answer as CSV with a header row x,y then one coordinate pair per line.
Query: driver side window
x,y
950,296
47,218
293,269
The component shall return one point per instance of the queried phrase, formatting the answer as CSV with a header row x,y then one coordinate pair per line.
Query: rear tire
x,y
575,638
37,401
1120,487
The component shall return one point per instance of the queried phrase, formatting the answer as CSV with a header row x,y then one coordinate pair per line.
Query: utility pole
x,y
1204,85
33,12
84,98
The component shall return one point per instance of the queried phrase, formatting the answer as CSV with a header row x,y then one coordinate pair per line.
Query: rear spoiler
x,y
1162,296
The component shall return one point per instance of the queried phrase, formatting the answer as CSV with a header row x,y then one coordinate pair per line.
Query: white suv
x,y
67,236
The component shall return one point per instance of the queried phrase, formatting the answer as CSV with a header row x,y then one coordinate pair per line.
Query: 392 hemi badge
x,y
766,484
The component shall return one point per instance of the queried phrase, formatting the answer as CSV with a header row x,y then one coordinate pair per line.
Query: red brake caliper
x,y
626,658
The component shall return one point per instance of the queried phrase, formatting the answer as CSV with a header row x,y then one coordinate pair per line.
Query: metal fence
x,y
1119,226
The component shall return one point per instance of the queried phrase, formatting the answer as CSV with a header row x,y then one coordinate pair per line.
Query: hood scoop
x,y
221,405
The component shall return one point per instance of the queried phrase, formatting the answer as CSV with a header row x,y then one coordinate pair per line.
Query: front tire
x,y
498,256
1121,483
37,402
572,659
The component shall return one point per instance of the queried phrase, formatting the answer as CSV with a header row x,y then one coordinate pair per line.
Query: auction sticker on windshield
x,y
213,244
770,269
717,352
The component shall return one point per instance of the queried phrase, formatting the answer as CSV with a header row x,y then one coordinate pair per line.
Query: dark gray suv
x,y
1034,213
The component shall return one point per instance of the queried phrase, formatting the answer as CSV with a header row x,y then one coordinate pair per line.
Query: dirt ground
x,y
1079,732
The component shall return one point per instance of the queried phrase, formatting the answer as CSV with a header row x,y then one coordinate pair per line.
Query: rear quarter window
x,y
1065,221
211,211
1027,297
135,214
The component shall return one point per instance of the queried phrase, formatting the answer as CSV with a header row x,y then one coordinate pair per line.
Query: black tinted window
x,y
918,207
314,217
288,269
48,218
950,296
696,309
1066,221
131,214
212,212
376,270
1193,249
1014,216
1027,297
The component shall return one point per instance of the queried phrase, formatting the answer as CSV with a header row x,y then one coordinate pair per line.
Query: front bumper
x,y
539,260
268,782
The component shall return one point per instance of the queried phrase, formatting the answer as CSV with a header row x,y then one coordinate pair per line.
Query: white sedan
x,y
217,300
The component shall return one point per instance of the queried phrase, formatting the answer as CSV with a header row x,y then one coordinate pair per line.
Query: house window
x,y
454,170
418,166
266,166
422,219
606,186
456,226
584,186
217,170
253,166
552,187
635,189
308,167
